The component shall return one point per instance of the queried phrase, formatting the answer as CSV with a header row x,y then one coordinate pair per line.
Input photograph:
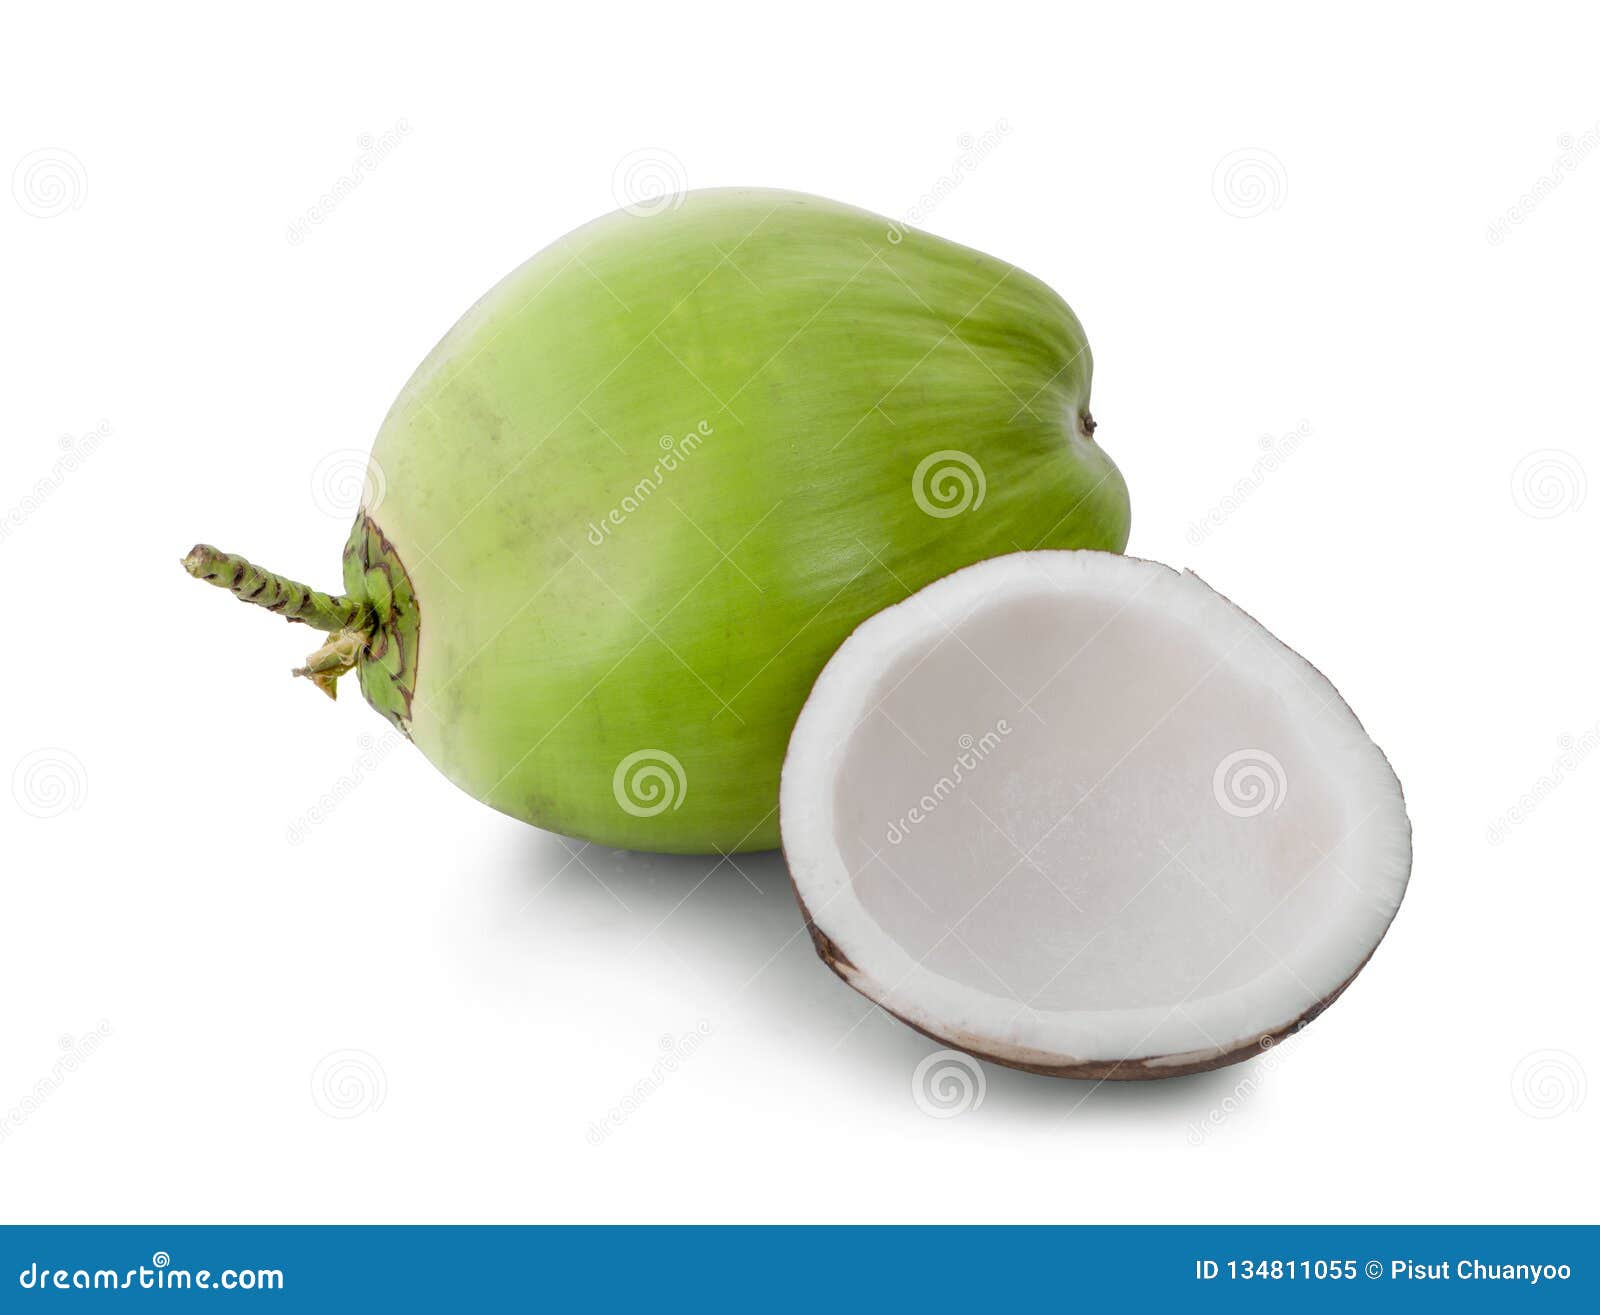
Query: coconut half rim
x,y
1077,813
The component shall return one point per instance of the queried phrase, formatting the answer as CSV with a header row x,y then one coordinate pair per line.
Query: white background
x,y
1270,225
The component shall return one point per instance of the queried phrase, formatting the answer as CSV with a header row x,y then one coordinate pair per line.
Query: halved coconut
x,y
1079,814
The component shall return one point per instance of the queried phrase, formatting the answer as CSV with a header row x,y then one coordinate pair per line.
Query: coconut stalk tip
x,y
288,598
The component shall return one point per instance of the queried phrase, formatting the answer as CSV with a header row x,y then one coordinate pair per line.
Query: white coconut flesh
x,y
1078,813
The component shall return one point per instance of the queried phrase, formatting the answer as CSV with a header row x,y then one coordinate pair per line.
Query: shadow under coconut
x,y
732,923
736,920
705,897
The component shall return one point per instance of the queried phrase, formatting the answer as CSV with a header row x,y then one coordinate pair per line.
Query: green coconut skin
x,y
625,511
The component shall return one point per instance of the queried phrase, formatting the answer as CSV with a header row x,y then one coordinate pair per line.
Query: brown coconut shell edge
x,y
1145,1069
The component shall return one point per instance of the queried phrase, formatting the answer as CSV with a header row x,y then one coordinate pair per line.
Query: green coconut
x,y
623,514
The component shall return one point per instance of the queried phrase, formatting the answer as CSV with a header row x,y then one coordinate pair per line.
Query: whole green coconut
x,y
625,511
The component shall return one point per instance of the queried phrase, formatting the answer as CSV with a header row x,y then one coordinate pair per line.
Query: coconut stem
x,y
288,598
